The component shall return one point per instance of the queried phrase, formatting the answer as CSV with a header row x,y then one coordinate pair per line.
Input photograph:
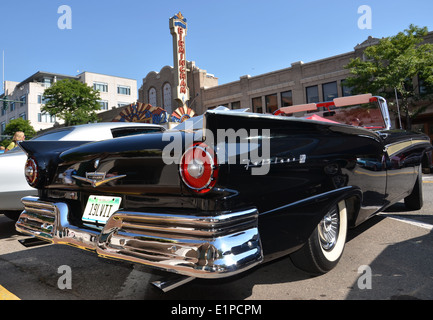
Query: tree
x,y
18,125
72,101
391,66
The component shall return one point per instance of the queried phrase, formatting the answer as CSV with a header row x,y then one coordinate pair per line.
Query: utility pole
x,y
4,86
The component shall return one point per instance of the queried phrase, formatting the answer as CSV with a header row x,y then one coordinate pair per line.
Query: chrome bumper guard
x,y
195,246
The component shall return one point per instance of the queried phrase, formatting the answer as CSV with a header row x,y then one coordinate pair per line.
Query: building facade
x,y
157,87
115,92
301,83
28,96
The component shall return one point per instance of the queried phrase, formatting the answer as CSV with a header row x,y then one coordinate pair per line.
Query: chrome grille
x,y
199,227
206,245
37,219
198,246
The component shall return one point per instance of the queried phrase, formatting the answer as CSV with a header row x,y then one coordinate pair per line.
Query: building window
x,y
236,105
347,91
257,105
152,97
23,116
41,99
423,87
271,103
12,106
286,99
167,98
124,90
330,91
23,100
104,104
46,118
122,104
312,94
46,82
2,127
100,86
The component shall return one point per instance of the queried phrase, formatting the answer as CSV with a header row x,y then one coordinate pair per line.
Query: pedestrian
x,y
18,136
2,149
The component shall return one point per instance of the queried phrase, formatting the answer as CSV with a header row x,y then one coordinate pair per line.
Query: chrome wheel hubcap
x,y
328,229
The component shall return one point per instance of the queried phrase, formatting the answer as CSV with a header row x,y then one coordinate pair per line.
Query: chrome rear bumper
x,y
195,246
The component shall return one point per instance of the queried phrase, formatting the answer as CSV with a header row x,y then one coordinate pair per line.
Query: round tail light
x,y
199,168
31,172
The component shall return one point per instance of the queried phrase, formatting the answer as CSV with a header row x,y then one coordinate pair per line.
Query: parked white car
x,y
13,185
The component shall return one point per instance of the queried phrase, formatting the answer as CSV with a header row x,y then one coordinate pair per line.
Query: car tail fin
x,y
34,148
42,155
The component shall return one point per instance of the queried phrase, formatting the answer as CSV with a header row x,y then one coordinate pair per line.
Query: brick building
x,y
315,81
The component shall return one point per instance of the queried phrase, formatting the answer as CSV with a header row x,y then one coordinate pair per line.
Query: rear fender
x,y
46,154
285,229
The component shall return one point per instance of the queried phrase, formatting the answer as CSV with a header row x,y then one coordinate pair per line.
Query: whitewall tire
x,y
325,246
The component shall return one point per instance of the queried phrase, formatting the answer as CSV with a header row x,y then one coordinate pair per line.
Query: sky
x,y
229,39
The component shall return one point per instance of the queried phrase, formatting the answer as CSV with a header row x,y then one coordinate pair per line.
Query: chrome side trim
x,y
196,246
396,147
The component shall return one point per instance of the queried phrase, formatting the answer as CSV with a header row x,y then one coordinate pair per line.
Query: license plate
x,y
100,208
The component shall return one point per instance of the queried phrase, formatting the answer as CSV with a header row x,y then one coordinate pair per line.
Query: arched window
x,y
167,98
152,97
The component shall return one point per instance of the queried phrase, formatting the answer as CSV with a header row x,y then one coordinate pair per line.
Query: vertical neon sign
x,y
178,29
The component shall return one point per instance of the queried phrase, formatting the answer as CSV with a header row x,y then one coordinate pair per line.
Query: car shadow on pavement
x,y
36,274
241,287
7,227
401,272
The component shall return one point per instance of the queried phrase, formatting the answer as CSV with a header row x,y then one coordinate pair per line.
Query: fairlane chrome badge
x,y
249,163
97,179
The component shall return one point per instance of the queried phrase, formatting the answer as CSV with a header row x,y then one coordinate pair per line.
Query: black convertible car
x,y
225,191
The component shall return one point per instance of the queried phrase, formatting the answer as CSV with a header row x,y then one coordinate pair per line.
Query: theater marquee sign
x,y
178,28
